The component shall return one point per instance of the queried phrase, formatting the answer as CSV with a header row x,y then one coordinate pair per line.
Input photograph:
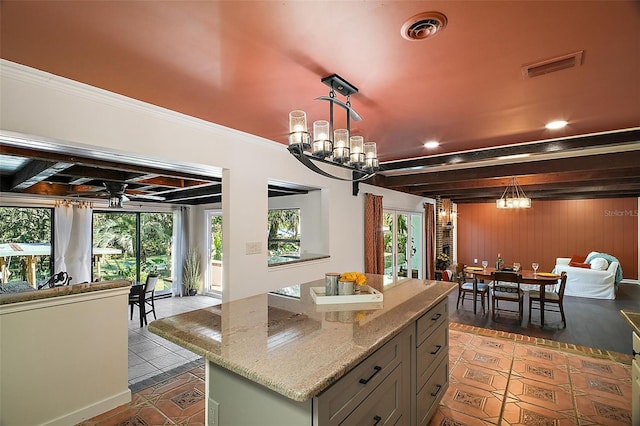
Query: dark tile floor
x,y
593,323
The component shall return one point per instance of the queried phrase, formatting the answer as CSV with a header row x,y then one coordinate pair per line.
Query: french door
x,y
213,274
403,244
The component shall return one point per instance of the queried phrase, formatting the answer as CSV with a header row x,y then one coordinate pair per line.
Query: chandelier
x,y
513,197
330,145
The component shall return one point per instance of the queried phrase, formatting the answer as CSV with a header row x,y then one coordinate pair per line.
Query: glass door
x,y
214,271
402,244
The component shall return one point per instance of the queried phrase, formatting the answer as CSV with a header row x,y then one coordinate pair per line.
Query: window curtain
x,y
80,251
373,235
63,220
430,237
181,242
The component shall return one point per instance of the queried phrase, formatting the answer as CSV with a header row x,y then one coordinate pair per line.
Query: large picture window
x,y
26,238
140,244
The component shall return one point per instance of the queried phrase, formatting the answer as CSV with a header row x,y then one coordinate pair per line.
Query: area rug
x,y
496,378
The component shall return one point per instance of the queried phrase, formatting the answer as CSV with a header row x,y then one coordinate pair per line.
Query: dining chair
x,y
506,288
465,286
143,297
56,280
551,298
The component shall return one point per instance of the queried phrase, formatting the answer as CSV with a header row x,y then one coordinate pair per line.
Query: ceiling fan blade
x,y
147,197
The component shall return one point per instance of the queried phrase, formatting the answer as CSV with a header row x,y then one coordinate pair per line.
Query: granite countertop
x,y
633,317
286,260
293,346
7,298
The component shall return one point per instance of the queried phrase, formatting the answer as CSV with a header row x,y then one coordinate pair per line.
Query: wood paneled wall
x,y
550,229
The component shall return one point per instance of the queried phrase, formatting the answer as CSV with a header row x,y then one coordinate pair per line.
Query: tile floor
x,y
496,378
150,354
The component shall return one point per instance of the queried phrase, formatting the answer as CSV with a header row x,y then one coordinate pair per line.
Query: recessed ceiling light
x,y
431,144
558,124
511,157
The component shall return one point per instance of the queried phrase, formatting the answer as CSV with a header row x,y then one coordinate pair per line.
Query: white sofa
x,y
583,282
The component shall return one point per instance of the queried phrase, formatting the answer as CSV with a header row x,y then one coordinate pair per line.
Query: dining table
x,y
529,278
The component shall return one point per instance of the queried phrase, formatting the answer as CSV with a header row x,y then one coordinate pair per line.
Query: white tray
x,y
367,294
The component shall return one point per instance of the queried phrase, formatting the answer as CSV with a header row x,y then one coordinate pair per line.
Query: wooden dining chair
x,y
553,300
506,288
144,297
465,286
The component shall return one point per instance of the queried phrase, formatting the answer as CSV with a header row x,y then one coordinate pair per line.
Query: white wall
x,y
63,359
80,116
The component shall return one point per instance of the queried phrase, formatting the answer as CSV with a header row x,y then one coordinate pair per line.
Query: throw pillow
x,y
578,258
580,265
600,264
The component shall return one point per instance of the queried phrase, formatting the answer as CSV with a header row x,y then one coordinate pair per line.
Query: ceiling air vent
x,y
423,25
560,63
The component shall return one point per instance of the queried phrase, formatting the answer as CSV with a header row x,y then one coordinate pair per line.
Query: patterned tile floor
x,y
496,378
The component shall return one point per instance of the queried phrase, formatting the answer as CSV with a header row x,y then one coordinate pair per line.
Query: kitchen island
x,y
285,360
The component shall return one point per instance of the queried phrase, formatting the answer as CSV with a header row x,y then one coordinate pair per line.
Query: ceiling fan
x,y
116,193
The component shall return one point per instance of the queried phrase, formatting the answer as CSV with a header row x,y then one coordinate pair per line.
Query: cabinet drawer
x,y
384,405
342,397
431,353
427,323
432,392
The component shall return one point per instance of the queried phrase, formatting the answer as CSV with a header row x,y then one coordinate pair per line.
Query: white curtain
x,y
63,219
181,239
80,251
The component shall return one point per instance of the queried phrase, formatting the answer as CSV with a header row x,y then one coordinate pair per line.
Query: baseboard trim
x,y
92,410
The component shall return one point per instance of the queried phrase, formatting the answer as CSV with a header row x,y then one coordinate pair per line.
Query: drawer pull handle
x,y
634,353
436,318
437,390
438,347
365,381
377,419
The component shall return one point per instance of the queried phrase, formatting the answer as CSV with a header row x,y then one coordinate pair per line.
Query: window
x,y
284,232
25,243
140,243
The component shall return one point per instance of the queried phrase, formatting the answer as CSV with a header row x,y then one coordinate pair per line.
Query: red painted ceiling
x,y
246,64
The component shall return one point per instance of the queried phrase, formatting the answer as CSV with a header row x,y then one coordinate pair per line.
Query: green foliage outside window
x,y
284,231
27,225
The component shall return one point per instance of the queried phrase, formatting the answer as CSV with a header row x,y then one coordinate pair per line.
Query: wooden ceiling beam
x,y
543,147
135,169
36,171
594,162
569,178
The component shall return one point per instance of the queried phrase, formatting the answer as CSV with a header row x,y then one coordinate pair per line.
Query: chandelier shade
x,y
331,145
513,197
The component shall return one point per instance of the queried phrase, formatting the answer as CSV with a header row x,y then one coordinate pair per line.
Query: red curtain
x,y
373,235
430,236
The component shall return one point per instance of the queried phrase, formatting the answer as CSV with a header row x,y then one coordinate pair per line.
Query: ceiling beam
x,y
36,171
543,147
594,162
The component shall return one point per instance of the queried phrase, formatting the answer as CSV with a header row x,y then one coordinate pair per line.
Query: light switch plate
x,y
253,247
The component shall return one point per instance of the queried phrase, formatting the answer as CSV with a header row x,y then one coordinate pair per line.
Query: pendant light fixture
x,y
513,197
330,145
